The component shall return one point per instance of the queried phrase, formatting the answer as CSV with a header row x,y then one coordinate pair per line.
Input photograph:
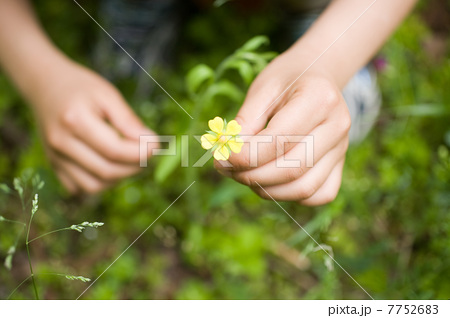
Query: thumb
x,y
123,118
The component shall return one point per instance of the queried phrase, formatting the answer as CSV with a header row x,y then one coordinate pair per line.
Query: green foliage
x,y
389,227
20,185
206,87
198,76
9,257
5,188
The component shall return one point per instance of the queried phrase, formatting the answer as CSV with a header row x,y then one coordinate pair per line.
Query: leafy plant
x,y
20,186
206,86
389,226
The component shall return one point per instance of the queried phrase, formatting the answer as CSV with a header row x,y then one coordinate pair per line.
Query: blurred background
x,y
389,227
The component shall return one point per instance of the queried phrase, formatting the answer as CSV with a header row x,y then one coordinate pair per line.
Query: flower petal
x,y
233,128
208,141
222,153
216,125
236,144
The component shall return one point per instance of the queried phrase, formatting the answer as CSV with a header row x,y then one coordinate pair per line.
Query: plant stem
x,y
12,221
29,258
23,203
48,233
15,289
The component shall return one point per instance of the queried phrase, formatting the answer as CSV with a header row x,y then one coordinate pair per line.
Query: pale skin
x,y
71,102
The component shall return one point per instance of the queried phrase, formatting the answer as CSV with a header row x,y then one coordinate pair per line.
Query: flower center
x,y
223,139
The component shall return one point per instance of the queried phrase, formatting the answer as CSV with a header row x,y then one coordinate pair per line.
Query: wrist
x,y
39,76
45,78
307,61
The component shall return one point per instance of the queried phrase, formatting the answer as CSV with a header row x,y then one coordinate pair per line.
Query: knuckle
x,y
345,122
112,152
70,116
329,95
240,161
292,174
305,191
281,141
244,123
243,178
54,139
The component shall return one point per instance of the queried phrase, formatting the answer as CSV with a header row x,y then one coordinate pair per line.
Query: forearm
x,y
26,53
357,45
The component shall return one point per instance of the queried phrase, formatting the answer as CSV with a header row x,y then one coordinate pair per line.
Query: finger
x,y
66,181
329,190
295,164
122,117
305,186
83,179
93,162
309,106
89,127
256,109
296,120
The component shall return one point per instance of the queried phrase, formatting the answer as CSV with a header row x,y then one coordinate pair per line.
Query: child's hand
x,y
90,133
312,106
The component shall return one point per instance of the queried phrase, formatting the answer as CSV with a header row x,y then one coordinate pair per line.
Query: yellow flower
x,y
223,138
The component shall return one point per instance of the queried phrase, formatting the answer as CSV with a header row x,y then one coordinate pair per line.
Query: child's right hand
x,y
90,133
290,110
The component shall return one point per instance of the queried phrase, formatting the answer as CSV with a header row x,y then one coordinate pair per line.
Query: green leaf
x,y
5,188
18,187
224,88
255,43
259,63
8,261
320,221
198,76
166,166
9,257
268,56
40,185
244,69
228,191
37,183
